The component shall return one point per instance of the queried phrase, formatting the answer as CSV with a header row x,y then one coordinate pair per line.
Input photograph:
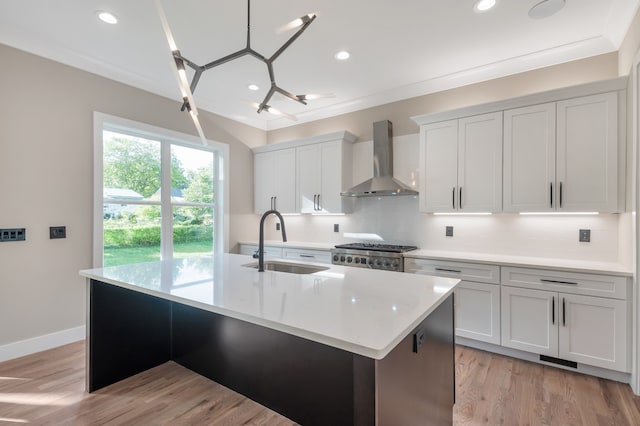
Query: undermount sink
x,y
290,268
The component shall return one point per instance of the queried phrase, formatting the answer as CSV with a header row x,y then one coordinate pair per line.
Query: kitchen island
x,y
338,346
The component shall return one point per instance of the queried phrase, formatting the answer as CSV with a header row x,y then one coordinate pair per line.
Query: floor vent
x,y
559,361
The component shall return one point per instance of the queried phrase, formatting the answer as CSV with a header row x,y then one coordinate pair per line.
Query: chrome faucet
x,y
260,253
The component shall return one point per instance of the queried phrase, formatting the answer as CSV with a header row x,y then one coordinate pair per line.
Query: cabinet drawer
x,y
465,271
270,252
307,255
566,282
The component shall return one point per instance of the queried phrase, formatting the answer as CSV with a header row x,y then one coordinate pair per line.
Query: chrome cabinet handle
x,y
314,202
448,270
553,310
307,255
319,208
544,280
460,199
551,196
564,314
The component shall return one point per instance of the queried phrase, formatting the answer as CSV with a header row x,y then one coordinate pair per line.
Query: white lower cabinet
x,y
307,255
269,252
477,311
477,297
594,331
563,324
529,320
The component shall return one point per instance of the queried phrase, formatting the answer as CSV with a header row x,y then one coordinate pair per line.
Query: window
x,y
158,193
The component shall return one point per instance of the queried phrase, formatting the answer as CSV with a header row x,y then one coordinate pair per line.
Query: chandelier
x,y
187,89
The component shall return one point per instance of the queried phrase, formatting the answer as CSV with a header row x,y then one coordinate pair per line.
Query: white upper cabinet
x,y
462,165
587,154
274,181
562,156
530,158
556,151
322,175
439,165
304,176
480,163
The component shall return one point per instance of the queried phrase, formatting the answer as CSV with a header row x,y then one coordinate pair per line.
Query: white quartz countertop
x,y
367,312
569,265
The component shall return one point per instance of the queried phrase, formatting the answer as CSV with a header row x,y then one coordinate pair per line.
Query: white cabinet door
x,y
477,311
307,255
269,252
480,163
587,154
274,181
439,167
309,177
593,331
321,177
285,180
330,200
529,320
263,178
529,158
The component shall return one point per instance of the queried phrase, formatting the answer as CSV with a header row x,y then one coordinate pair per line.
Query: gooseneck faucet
x,y
261,243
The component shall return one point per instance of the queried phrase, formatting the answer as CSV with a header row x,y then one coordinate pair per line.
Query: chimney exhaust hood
x,y
382,183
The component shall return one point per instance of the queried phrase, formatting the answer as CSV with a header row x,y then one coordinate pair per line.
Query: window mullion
x,y
166,231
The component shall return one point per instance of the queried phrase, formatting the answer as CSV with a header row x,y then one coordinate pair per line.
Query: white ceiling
x,y
400,49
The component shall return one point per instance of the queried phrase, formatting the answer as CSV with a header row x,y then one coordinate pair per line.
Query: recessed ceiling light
x,y
253,87
484,5
342,55
546,8
107,17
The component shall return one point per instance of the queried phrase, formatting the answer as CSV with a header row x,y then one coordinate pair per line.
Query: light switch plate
x,y
336,227
585,236
449,231
56,232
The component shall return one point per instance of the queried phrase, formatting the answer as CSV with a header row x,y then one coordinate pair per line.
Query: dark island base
x,y
308,382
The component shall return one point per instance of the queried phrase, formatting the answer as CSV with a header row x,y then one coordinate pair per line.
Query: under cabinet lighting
x,y
462,214
559,213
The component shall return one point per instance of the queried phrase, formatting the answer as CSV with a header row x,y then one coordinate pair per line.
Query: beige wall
x,y
46,144
596,68
629,47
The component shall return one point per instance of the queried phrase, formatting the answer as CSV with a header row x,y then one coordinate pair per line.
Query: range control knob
x,y
335,257
349,259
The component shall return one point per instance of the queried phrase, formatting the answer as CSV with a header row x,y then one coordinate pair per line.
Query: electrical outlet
x,y
449,231
585,236
336,227
277,226
13,234
57,232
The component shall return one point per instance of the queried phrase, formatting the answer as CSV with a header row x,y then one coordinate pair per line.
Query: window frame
x,y
167,138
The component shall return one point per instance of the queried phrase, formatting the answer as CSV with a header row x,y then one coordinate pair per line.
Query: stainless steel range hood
x,y
382,183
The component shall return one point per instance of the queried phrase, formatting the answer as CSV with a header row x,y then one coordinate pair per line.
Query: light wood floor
x,y
48,389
